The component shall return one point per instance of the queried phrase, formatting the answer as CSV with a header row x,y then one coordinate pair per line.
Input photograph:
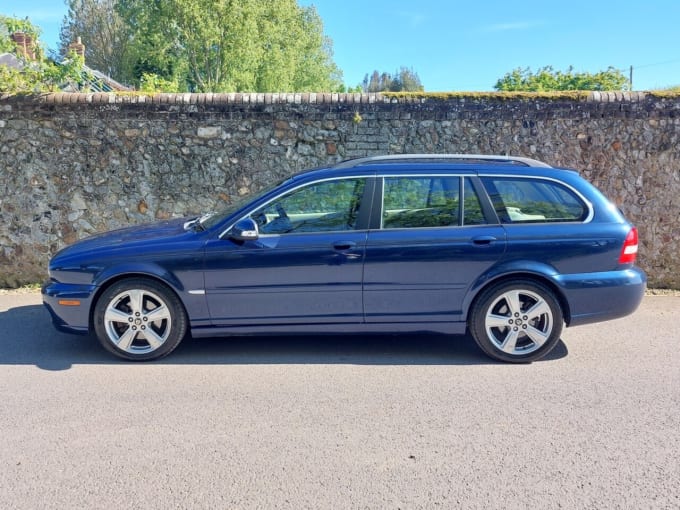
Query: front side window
x,y
526,200
320,207
415,202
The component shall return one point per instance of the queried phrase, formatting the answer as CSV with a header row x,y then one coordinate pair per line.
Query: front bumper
x,y
69,305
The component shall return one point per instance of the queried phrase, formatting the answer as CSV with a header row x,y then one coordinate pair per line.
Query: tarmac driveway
x,y
341,422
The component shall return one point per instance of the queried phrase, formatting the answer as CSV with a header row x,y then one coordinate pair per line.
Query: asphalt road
x,y
333,422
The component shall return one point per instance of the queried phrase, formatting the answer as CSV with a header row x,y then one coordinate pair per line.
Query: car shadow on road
x,y
28,337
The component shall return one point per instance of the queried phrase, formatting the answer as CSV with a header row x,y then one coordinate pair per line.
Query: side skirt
x,y
447,328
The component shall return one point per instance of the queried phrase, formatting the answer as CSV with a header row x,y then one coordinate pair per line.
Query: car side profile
x,y
508,249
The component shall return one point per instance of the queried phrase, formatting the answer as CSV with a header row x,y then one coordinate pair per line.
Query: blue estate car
x,y
506,248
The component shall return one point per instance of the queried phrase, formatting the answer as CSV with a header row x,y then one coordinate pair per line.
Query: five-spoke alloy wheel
x,y
139,319
518,321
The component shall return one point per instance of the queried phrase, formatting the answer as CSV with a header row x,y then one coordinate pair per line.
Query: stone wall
x,y
75,164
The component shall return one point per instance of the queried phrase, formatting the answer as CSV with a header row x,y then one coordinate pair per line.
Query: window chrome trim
x,y
588,203
384,176
461,175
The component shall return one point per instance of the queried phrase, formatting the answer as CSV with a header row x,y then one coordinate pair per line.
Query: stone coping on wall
x,y
217,99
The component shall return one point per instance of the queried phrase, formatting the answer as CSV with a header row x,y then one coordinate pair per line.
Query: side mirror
x,y
244,230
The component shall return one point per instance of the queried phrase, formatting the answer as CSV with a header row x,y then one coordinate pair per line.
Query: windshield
x,y
211,219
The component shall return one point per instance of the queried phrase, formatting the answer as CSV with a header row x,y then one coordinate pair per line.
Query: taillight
x,y
630,248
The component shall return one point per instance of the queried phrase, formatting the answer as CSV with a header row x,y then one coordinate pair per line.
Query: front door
x,y
305,267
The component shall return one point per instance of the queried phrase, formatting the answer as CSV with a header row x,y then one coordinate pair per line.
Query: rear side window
x,y
414,202
527,200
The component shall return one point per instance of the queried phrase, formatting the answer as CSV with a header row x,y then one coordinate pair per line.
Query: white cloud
x,y
514,25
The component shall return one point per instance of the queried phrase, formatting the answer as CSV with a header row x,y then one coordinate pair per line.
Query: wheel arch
x,y
500,279
117,277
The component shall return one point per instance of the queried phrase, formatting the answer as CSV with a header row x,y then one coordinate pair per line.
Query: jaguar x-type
x,y
508,249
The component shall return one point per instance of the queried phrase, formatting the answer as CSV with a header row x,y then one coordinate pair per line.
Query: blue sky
x,y
467,46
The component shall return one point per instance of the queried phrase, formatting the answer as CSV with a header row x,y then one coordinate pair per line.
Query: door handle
x,y
344,245
483,240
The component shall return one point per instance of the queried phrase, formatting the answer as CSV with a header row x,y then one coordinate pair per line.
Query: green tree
x,y
377,82
10,25
231,45
547,79
357,89
403,80
103,32
35,75
406,80
156,54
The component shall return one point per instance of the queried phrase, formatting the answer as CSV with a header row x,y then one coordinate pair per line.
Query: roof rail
x,y
443,157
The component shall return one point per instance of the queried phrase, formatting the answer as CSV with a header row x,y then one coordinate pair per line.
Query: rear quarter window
x,y
532,200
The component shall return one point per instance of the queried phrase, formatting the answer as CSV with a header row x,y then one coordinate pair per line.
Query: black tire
x,y
516,321
139,319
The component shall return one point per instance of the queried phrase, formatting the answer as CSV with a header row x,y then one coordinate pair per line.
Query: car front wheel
x,y
517,321
139,319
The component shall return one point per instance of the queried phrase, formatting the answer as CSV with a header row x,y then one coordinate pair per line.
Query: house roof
x,y
108,84
91,79
95,81
11,60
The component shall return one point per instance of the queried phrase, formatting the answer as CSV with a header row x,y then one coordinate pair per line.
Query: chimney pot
x,y
24,44
78,47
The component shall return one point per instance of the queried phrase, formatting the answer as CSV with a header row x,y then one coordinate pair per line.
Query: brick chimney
x,y
24,44
78,47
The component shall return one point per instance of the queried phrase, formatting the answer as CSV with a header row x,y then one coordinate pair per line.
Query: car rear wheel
x,y
139,319
517,321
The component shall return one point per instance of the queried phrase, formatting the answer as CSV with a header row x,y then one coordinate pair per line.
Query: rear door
x,y
428,244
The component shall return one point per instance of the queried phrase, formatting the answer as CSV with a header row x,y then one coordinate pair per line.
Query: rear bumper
x,y
597,297
60,300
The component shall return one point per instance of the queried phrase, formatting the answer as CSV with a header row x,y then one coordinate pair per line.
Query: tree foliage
x,y
547,79
357,89
39,75
104,33
230,45
403,80
10,25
